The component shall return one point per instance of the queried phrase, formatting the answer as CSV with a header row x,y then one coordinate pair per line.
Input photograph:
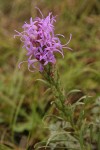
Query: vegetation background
x,y
23,101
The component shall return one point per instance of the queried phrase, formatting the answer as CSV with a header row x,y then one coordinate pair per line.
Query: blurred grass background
x,y
22,99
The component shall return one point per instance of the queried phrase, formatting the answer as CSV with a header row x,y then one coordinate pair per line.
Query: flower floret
x,y
40,41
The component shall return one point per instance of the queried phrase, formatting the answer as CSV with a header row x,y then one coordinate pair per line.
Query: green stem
x,y
54,83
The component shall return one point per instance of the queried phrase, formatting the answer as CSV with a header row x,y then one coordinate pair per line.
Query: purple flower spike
x,y
41,42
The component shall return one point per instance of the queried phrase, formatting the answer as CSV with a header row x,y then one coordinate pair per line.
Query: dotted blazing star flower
x,y
40,42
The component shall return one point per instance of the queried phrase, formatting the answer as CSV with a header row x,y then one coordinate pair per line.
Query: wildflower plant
x,y
68,129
